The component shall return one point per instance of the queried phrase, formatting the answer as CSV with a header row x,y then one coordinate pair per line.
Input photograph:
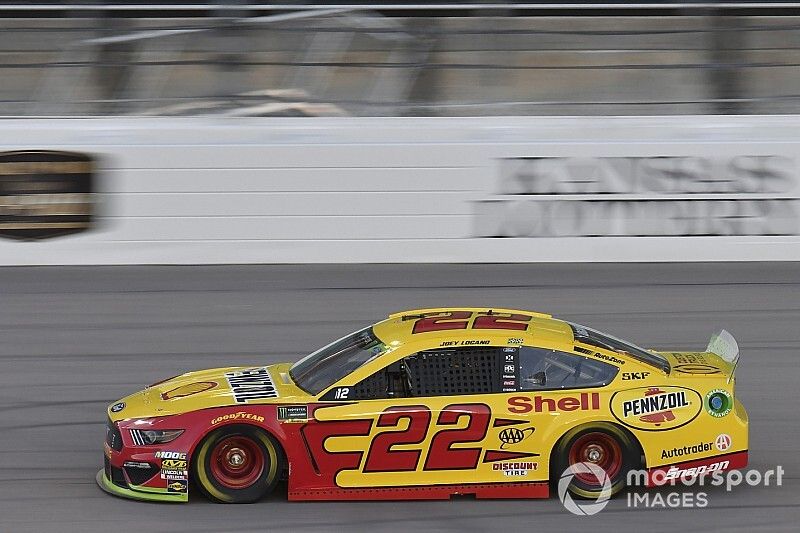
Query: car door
x,y
545,393
423,420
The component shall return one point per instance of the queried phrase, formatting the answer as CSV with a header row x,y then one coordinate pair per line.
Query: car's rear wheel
x,y
237,464
605,446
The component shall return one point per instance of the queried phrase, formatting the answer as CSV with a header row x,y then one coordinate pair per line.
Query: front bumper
x,y
142,472
140,493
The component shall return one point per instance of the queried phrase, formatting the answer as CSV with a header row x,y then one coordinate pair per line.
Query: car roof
x,y
543,329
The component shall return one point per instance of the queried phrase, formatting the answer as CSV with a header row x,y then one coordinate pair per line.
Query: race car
x,y
430,404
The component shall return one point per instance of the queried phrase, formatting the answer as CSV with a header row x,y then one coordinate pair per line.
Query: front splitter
x,y
149,495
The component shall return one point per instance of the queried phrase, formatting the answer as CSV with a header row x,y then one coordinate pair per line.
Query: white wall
x,y
421,190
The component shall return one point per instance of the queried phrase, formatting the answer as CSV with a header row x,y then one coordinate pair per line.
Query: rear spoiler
x,y
725,346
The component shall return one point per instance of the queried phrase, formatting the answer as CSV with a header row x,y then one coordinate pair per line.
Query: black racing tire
x,y
606,445
237,464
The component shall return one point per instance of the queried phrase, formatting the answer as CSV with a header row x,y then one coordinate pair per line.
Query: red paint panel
x,y
502,422
538,489
492,456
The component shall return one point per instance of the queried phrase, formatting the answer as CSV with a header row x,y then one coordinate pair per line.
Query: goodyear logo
x,y
239,415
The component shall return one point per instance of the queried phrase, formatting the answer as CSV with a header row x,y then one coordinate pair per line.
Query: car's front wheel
x,y
237,464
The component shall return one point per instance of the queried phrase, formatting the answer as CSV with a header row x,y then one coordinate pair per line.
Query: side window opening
x,y
544,369
454,371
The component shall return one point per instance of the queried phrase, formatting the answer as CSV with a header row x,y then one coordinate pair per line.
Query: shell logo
x,y
188,390
656,408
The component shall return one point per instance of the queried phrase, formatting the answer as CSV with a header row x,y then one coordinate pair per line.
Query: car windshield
x,y
321,369
609,342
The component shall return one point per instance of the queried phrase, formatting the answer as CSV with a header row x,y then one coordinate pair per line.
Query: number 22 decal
x,y
381,456
449,320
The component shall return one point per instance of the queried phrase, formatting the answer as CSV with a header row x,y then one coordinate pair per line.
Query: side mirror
x,y
540,378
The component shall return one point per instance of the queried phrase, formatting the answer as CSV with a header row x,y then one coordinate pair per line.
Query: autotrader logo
x,y
585,507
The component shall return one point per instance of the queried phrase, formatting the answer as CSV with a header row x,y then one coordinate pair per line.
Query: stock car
x,y
432,403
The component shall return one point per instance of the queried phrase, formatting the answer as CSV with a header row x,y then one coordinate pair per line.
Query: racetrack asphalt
x,y
73,339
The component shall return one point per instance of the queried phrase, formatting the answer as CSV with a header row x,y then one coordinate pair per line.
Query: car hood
x,y
215,387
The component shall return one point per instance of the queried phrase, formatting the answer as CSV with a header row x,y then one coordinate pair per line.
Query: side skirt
x,y
538,489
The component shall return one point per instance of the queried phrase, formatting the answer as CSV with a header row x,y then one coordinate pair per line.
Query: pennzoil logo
x,y
45,194
656,408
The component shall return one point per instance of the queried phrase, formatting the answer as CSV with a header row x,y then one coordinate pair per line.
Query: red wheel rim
x,y
237,462
599,449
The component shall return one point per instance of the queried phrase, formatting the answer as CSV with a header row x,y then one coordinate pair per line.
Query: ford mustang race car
x,y
431,403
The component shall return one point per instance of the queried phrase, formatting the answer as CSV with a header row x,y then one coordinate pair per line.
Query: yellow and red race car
x,y
432,403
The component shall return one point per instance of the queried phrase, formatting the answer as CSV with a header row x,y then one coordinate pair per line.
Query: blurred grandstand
x,y
398,58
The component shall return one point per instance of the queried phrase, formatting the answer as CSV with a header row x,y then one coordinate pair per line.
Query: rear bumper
x,y
690,470
140,493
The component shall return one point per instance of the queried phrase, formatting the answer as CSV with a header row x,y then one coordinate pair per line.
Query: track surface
x,y
74,339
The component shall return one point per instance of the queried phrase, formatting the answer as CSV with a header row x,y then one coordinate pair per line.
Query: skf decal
x,y
627,376
239,415
515,469
293,413
585,401
188,390
251,384
656,408
511,436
